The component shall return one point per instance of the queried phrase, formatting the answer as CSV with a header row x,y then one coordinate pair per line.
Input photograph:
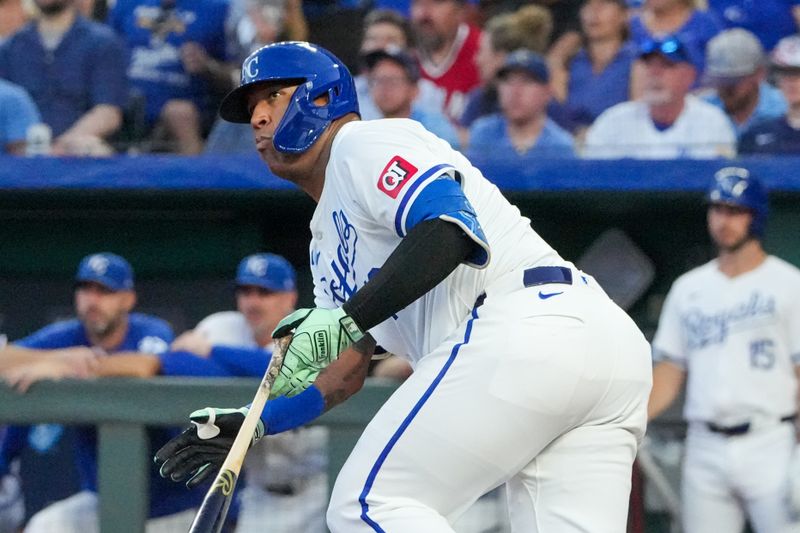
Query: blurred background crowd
x,y
500,80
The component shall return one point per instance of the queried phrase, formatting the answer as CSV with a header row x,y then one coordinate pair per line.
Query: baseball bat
x,y
211,516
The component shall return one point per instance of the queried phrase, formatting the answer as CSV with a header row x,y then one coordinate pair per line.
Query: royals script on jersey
x,y
375,180
738,338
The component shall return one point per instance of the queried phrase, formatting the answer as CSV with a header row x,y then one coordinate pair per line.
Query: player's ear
x,y
129,300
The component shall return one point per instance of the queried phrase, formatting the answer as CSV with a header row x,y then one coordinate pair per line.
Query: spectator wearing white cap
x,y
735,68
780,135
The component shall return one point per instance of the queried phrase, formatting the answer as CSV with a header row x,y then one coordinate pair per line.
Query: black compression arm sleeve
x,y
426,256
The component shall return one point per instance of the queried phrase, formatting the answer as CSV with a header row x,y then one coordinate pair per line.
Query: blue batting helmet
x,y
736,186
318,72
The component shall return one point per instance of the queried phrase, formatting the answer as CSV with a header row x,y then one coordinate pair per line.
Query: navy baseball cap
x,y
268,271
671,48
109,270
398,56
528,61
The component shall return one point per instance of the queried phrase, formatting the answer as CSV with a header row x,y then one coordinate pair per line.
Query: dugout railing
x,y
121,409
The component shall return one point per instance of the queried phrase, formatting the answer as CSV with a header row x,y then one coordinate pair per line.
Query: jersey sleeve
x,y
59,335
405,178
669,343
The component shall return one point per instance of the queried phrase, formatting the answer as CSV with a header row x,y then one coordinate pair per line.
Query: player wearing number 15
x,y
733,326
525,372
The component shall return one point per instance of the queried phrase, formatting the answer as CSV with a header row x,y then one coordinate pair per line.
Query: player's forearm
x,y
130,365
667,382
345,376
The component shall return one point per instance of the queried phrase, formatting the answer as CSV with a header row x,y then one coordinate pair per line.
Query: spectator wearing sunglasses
x,y
666,122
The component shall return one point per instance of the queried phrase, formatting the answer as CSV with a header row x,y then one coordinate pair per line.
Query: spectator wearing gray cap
x,y
522,131
393,77
735,69
780,135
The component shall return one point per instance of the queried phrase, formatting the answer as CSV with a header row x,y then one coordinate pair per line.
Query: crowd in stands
x,y
600,78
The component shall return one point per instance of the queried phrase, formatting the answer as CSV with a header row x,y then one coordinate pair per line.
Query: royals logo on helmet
x,y
395,175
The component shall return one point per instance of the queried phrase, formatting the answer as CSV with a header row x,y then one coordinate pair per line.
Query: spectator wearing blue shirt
x,y
769,20
659,19
178,64
528,27
735,67
522,132
599,75
392,76
17,114
780,135
104,299
74,69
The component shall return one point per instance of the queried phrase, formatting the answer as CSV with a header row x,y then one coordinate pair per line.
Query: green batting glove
x,y
320,335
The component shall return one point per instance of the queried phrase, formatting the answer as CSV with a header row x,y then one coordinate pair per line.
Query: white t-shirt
x,y
702,131
377,173
228,328
738,338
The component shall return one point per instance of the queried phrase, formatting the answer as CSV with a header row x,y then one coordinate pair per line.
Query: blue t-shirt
x,y
773,136
87,68
490,145
590,93
17,113
436,123
155,36
769,20
771,104
146,334
481,101
701,27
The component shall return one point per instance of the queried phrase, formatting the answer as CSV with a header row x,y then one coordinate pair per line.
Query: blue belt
x,y
547,274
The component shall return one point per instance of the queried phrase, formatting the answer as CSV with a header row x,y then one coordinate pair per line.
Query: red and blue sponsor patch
x,y
395,175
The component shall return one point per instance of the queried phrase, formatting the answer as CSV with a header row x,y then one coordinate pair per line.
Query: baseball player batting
x,y
733,326
525,372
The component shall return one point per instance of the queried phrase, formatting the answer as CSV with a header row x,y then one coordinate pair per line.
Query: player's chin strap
x,y
426,256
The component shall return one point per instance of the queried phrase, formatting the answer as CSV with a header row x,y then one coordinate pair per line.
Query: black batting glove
x,y
199,451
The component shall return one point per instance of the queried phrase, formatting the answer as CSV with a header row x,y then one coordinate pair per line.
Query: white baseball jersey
x,y
515,380
738,338
701,131
374,189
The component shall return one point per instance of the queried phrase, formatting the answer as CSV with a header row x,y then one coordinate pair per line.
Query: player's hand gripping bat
x,y
211,515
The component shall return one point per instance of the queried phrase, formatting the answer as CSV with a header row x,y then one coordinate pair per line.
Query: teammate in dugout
x,y
525,372
733,325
